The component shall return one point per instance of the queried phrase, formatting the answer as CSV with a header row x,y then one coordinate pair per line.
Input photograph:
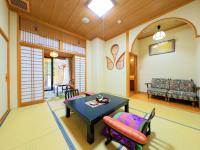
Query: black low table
x,y
92,115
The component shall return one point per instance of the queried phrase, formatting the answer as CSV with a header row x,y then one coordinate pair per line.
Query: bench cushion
x,y
191,96
157,91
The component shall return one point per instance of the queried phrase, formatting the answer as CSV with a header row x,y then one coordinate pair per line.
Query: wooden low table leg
x,y
127,107
57,91
90,133
67,112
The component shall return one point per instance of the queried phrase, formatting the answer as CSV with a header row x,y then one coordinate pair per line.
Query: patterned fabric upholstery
x,y
182,85
160,83
130,120
157,91
191,96
182,89
159,87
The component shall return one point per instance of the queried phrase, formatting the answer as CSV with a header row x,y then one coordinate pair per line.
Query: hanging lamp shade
x,y
53,54
159,35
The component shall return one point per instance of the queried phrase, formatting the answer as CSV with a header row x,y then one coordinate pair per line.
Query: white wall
x,y
115,80
13,60
178,65
95,65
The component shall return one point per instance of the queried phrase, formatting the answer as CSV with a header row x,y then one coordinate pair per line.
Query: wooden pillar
x,y
127,66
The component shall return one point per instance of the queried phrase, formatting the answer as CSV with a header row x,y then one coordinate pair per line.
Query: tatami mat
x,y
34,128
172,129
31,128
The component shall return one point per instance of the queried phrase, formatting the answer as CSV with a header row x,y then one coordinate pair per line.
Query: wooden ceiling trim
x,y
140,38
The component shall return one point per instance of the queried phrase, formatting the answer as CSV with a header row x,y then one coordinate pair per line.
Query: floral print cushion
x,y
191,96
157,91
160,83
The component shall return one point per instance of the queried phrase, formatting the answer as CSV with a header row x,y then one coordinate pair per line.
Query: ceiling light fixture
x,y
85,20
119,21
159,35
53,54
100,7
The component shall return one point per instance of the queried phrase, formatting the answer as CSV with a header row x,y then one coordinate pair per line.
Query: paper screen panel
x,y
26,73
33,38
37,74
80,73
31,74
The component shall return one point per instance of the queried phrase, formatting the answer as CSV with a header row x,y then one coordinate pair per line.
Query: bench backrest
x,y
160,83
182,85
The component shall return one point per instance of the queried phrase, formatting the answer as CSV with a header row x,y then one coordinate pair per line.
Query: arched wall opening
x,y
180,64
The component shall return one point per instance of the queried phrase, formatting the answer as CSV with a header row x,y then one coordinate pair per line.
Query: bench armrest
x,y
198,88
125,130
148,84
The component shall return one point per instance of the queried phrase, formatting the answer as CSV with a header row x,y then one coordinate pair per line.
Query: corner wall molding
x,y
3,34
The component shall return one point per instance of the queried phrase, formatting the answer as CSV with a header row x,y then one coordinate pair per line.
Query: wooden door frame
x,y
136,70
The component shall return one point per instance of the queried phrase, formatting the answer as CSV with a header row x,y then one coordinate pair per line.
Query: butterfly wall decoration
x,y
119,63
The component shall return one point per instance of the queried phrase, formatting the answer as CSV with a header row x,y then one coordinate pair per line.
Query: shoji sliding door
x,y
31,75
3,82
80,73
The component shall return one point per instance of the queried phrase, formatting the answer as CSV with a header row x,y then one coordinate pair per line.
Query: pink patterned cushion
x,y
131,133
72,98
89,93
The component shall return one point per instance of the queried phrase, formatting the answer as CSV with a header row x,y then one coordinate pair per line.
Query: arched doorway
x,y
149,30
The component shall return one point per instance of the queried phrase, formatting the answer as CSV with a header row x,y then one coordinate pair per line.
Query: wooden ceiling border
x,y
164,30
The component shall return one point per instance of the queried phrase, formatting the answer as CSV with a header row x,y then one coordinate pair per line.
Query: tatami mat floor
x,y
35,128
31,128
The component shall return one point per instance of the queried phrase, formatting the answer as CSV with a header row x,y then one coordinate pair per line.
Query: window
x,y
61,71
73,48
80,73
37,39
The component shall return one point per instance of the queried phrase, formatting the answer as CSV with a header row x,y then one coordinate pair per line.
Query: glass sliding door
x,y
48,74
